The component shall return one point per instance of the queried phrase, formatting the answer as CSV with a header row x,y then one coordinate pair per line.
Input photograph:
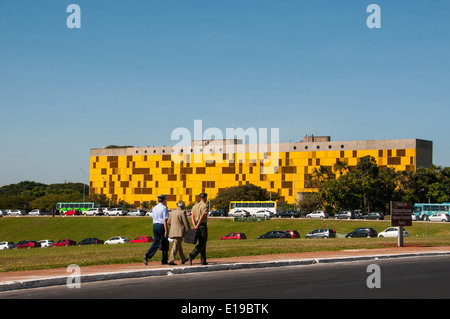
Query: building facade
x,y
140,174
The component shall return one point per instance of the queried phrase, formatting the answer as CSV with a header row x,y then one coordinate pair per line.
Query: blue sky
x,y
136,70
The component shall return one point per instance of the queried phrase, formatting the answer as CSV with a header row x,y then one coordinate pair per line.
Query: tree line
x,y
29,195
372,188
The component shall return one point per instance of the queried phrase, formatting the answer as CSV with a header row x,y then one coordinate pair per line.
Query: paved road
x,y
413,277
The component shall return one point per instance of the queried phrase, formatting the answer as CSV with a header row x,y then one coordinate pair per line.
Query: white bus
x,y
252,207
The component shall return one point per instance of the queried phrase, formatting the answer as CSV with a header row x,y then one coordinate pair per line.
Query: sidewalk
x,y
49,277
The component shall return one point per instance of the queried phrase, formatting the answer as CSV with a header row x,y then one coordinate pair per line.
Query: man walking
x,y
178,226
160,216
199,219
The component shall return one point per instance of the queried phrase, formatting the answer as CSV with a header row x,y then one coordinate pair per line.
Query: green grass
x,y
77,228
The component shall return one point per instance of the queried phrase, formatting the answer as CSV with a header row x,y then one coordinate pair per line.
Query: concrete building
x,y
140,174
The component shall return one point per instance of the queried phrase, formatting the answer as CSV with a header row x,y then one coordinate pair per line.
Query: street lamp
x,y
84,182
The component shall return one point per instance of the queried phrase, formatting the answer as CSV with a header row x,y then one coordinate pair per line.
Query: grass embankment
x,y
77,228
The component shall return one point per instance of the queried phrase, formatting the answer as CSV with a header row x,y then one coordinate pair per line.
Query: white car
x,y
36,212
46,243
93,212
7,245
119,211
16,212
262,213
392,232
148,214
318,214
117,240
439,217
239,213
137,212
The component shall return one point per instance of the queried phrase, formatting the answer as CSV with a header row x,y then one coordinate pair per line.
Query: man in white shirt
x,y
160,215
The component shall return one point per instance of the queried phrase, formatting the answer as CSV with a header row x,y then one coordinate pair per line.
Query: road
x,y
413,277
410,278
263,293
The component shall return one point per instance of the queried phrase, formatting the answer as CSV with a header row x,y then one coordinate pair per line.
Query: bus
x,y
255,206
64,207
424,210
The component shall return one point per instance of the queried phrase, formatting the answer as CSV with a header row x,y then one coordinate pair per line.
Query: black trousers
x,y
158,232
202,238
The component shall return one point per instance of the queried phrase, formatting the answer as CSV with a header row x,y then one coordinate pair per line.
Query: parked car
x,y
292,233
137,212
90,241
28,244
36,212
239,213
7,245
218,212
142,239
318,214
439,217
262,214
392,232
358,213
362,232
117,240
345,215
64,242
322,233
275,234
46,243
52,212
118,211
16,212
3,212
234,236
374,215
72,212
93,212
289,214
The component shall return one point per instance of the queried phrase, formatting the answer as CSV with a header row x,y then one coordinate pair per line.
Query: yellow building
x,y
140,174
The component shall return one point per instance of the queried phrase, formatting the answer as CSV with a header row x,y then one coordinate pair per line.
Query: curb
x,y
62,280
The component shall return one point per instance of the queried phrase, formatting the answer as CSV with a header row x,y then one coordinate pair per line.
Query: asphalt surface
x,y
399,278
11,281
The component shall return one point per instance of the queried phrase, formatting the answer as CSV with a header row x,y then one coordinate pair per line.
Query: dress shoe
x,y
145,260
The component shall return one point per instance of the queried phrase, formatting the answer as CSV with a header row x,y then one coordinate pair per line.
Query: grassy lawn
x,y
77,228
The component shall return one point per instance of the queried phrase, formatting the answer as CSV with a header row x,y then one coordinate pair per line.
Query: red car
x,y
64,242
28,244
72,212
142,239
234,236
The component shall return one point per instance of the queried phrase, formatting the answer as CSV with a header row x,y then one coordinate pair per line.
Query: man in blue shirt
x,y
160,215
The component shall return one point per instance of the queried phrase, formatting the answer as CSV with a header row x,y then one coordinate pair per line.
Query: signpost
x,y
401,216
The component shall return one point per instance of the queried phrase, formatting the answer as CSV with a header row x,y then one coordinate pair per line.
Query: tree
x,y
340,166
367,186
321,175
310,202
